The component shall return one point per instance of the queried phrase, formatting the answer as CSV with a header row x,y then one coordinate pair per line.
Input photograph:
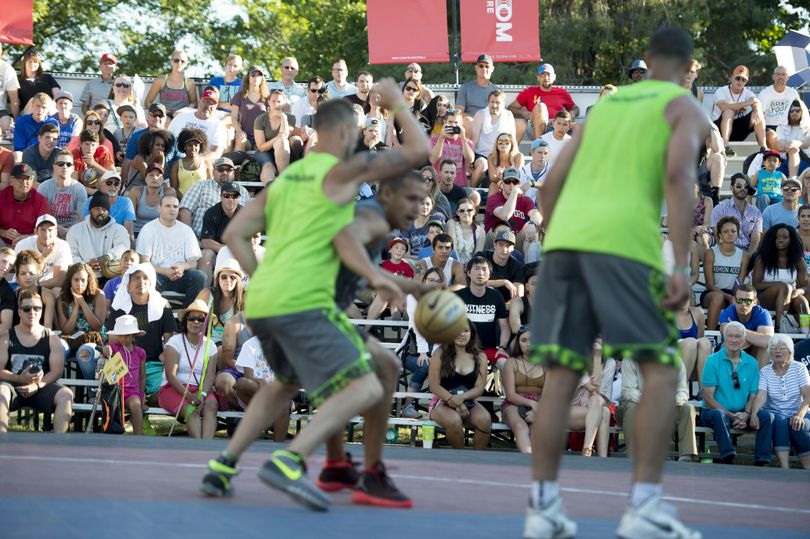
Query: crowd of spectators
x,y
108,211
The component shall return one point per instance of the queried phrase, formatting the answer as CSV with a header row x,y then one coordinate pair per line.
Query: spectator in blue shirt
x,y
26,130
756,320
730,380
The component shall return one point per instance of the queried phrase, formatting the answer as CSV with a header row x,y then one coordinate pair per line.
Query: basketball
x,y
440,316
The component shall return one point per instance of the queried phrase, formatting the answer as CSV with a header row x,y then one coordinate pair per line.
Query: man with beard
x,y
98,239
537,104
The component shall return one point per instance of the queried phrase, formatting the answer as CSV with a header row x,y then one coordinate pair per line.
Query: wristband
x,y
683,270
400,108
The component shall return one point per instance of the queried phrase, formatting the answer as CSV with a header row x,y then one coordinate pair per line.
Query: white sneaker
x,y
551,522
653,519
410,412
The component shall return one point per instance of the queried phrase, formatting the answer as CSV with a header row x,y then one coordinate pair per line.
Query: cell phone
x,y
35,369
453,130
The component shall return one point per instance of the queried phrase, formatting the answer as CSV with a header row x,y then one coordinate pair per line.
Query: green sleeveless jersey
x,y
300,266
611,200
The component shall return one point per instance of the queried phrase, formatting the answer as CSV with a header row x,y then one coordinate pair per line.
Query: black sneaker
x,y
287,472
376,488
217,482
730,151
338,476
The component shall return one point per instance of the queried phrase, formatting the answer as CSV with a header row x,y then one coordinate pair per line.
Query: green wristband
x,y
683,270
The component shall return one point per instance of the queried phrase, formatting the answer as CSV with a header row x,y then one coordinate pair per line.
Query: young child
x,y
397,249
128,258
768,181
128,118
125,331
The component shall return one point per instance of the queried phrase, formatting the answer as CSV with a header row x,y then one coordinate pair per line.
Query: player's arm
x,y
342,181
247,222
556,176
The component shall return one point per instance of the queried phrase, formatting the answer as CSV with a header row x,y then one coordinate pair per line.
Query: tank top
x,y
526,314
770,184
186,178
447,271
525,384
591,213
457,380
22,356
691,331
781,275
465,247
144,212
726,269
299,271
489,132
174,99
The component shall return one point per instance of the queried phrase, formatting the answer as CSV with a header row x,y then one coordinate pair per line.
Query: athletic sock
x,y
228,459
641,492
543,493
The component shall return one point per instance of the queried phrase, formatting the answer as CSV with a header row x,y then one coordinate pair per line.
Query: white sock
x,y
641,492
543,492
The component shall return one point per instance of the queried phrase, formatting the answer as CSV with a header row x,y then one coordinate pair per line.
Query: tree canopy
x,y
589,42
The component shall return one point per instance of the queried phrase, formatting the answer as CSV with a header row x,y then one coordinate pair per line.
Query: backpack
x,y
111,409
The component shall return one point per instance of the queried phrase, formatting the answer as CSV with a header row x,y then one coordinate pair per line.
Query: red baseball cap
x,y
108,57
211,94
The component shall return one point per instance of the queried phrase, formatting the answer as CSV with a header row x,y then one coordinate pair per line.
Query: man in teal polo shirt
x,y
730,381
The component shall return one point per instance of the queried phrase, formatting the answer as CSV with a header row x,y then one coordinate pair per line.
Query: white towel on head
x,y
156,303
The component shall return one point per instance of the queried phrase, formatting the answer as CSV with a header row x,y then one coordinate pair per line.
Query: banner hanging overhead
x,y
407,31
17,22
507,30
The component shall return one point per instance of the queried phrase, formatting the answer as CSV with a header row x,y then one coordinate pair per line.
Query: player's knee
x,y
369,389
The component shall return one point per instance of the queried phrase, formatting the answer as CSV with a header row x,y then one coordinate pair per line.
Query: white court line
x,y
118,462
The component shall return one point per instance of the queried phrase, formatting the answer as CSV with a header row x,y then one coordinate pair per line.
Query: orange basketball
x,y
440,316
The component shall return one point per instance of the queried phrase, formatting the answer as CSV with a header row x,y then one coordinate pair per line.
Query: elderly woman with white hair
x,y
137,295
779,412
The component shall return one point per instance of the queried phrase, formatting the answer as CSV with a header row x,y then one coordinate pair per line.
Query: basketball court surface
x,y
86,486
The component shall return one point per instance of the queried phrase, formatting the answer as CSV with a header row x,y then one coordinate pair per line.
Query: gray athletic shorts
x,y
580,296
319,350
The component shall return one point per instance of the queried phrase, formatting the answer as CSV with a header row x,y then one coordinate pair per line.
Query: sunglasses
x,y
92,122
790,189
224,169
256,74
64,164
290,68
795,110
504,141
738,79
179,61
29,308
413,70
511,181
111,183
744,301
411,89
232,196
122,85
197,319
469,210
154,115
228,276
735,378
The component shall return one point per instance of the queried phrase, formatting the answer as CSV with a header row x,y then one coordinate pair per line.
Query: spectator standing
x,y
98,239
473,95
28,125
70,125
55,253
33,79
42,154
97,89
206,193
737,112
535,105
22,205
747,214
775,101
339,86
134,382
453,145
175,91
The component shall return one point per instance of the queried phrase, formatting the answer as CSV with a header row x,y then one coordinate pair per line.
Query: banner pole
x,y
456,46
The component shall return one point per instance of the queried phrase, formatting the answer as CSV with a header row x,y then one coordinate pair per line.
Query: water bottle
x,y
391,435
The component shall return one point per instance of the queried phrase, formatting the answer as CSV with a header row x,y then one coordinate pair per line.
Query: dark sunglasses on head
x,y
122,85
63,164
233,196
93,122
735,378
744,301
29,308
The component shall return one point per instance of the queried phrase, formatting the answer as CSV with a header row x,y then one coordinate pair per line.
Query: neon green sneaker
x,y
217,482
287,472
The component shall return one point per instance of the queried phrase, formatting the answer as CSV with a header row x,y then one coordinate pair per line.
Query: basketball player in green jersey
x,y
291,306
602,273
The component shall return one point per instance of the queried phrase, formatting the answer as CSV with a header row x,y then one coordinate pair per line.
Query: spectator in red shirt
x,y
452,144
512,206
21,205
91,160
397,248
6,164
536,104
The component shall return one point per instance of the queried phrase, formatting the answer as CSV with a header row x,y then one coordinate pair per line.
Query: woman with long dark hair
x,y
82,307
523,384
780,273
457,376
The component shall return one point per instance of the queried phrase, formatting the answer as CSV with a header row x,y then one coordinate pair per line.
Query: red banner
x,y
507,30
17,22
404,31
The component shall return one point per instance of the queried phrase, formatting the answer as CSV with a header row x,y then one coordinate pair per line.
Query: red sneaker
x,y
376,488
338,475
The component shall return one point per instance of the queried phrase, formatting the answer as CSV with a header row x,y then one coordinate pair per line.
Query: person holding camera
x,y
31,361
452,144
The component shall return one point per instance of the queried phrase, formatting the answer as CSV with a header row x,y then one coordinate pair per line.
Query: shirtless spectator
x,y
535,105
757,321
775,101
473,95
507,271
453,145
41,156
205,119
215,219
558,137
66,196
488,124
339,86
451,269
55,253
21,205
737,112
98,239
510,205
749,217
206,193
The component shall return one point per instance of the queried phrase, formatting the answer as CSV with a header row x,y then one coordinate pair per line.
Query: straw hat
x,y
126,324
199,306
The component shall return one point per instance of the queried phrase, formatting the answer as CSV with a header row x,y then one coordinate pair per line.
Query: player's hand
x,y
677,291
390,94
389,291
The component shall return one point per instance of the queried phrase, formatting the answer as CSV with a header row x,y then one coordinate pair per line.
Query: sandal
x,y
587,451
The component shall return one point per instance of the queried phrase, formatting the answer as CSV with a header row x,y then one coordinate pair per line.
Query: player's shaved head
x,y
672,43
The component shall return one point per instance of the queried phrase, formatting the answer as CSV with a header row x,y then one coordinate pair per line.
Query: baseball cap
x,y
229,187
793,181
539,143
511,173
505,235
64,95
396,240
484,58
545,68
126,108
101,105
111,174
157,107
212,94
46,218
155,166
21,170
223,161
372,121
637,64
771,153
434,222
740,70
108,57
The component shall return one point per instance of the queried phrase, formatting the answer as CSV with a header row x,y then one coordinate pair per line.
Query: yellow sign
x,y
114,369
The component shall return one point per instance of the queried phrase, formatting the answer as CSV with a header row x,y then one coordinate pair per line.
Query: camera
x,y
453,130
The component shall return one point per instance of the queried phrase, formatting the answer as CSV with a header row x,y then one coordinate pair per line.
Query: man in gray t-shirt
x,y
473,95
66,196
787,211
97,90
